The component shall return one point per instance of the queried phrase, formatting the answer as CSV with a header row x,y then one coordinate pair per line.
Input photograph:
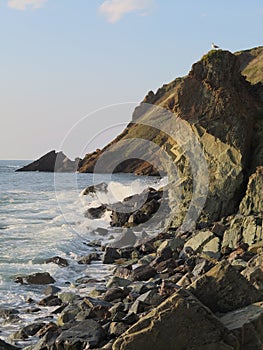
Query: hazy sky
x,y
63,59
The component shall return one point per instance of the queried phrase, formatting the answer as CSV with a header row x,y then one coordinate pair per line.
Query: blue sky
x,y
63,59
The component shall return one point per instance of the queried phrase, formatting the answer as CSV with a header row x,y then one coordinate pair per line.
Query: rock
x,y
137,307
27,331
131,318
205,242
110,255
117,282
180,322
117,328
86,334
36,278
68,314
101,187
6,346
175,244
123,272
223,289
115,293
246,324
86,260
143,273
150,298
52,161
68,297
51,290
95,213
51,300
252,203
92,302
57,260
254,271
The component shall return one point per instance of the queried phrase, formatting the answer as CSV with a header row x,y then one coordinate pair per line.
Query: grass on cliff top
x,y
213,55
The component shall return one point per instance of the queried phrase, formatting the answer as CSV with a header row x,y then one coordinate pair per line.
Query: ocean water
x,y
41,216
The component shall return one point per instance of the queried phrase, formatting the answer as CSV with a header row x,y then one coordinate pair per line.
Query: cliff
x,y
222,110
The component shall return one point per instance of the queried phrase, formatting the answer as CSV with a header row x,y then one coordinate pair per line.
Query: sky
x,y
64,62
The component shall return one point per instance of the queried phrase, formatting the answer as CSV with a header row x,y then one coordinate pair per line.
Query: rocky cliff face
x,y
222,110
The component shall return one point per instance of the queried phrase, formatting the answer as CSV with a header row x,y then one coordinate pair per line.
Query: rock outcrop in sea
x,y
52,162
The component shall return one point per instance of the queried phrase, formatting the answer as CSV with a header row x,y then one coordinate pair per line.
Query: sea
x,y
42,216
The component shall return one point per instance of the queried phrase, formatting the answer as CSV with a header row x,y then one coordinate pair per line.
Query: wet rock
x,y
95,213
51,290
86,260
27,331
123,272
143,273
8,314
180,322
247,325
110,255
223,289
101,187
68,297
48,337
57,260
36,278
86,334
51,300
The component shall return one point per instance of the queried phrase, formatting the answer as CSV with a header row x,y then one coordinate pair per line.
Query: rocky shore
x,y
197,286
193,290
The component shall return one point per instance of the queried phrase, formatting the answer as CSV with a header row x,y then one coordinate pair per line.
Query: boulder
x,y
224,289
205,242
143,273
180,322
101,187
247,325
86,334
95,213
36,278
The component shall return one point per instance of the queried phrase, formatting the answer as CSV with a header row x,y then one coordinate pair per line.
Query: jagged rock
x,y
52,161
180,322
246,324
117,328
57,260
205,242
51,300
252,203
95,213
110,255
36,278
223,289
247,229
254,271
101,187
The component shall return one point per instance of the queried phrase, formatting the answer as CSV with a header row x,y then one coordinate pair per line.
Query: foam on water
x,y
40,219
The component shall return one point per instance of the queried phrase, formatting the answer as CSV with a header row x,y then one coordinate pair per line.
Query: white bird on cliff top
x,y
214,46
